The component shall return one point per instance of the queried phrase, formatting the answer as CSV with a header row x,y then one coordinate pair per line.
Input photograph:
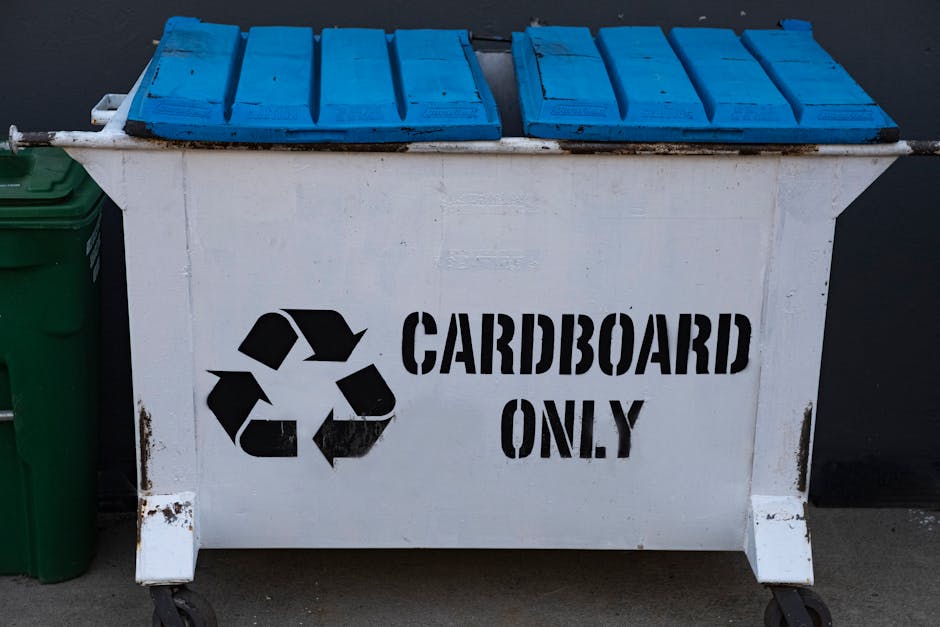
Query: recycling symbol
x,y
269,341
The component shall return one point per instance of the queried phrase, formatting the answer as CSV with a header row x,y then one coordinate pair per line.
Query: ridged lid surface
x,y
280,84
635,83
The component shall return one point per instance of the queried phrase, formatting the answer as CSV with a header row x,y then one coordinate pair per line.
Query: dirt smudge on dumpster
x,y
298,147
802,453
786,515
806,518
683,148
145,432
888,135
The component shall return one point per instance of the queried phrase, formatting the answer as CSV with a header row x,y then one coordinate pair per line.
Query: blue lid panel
x,y
821,92
649,79
430,88
696,85
356,85
211,82
734,87
261,99
206,57
573,85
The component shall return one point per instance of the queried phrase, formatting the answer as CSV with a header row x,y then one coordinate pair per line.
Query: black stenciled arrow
x,y
368,394
269,340
327,333
348,438
270,438
233,397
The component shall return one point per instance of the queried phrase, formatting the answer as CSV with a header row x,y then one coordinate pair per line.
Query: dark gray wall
x,y
879,403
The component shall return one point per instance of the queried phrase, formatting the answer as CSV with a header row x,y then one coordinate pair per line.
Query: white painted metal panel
x,y
377,237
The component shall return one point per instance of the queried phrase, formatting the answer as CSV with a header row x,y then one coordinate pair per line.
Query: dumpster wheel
x,y
177,606
796,607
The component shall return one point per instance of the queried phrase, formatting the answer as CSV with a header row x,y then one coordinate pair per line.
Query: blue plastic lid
x,y
696,85
211,82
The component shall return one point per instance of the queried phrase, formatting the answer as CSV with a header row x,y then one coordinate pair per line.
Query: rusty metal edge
x,y
512,145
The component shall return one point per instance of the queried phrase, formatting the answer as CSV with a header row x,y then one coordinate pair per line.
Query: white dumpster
x,y
514,343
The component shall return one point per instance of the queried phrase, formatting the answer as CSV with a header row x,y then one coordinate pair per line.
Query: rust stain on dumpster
x,y
140,131
802,453
141,505
176,513
171,512
145,432
924,147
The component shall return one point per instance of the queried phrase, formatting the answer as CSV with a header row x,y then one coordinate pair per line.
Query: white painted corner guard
x,y
166,539
778,544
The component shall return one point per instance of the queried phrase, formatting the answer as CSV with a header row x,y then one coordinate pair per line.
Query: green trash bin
x,y
50,240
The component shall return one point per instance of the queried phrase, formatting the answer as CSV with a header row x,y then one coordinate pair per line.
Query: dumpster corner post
x,y
811,192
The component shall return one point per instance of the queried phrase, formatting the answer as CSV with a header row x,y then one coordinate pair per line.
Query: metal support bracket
x,y
105,109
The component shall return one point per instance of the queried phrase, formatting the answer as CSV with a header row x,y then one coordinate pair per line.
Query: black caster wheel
x,y
796,607
176,606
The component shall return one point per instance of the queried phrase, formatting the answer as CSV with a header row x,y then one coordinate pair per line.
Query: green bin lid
x,y
44,184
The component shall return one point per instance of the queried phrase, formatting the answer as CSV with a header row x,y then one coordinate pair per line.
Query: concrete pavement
x,y
873,567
